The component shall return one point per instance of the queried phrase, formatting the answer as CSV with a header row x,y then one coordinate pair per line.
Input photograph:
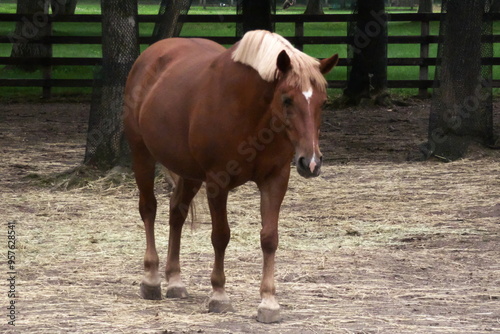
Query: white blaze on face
x,y
308,94
313,164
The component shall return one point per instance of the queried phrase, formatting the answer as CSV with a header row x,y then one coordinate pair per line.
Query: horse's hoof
x,y
220,306
177,292
268,315
150,292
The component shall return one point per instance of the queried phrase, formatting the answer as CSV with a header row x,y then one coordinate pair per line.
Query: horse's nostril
x,y
302,163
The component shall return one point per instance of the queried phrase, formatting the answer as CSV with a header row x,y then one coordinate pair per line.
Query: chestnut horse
x,y
223,117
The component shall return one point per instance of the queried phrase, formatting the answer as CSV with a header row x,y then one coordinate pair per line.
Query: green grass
x,y
204,29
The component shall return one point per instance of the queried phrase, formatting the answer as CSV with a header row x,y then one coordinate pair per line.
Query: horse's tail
x,y
173,180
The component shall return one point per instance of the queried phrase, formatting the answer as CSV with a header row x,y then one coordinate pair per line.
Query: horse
x,y
222,117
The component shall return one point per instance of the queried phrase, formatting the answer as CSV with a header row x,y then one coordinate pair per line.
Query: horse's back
x,y
168,51
167,55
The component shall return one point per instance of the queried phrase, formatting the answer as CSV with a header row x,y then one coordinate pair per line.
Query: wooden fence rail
x,y
299,40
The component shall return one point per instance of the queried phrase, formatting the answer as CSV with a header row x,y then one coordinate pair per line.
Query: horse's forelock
x,y
259,49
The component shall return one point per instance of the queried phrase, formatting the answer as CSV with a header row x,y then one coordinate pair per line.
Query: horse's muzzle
x,y
309,167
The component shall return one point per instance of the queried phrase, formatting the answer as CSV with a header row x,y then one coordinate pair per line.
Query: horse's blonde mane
x,y
260,49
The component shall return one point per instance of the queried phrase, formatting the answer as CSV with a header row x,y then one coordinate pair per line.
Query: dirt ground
x,y
376,244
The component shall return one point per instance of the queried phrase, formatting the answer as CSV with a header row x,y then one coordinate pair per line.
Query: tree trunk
x,y
368,51
425,6
255,15
314,8
34,26
170,20
63,7
106,146
495,6
461,110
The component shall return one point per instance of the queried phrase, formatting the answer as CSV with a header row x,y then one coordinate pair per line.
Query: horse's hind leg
x,y
144,171
183,194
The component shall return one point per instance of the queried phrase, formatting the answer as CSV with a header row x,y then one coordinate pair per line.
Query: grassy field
x,y
203,29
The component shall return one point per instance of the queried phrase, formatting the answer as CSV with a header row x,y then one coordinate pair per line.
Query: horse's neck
x,y
245,85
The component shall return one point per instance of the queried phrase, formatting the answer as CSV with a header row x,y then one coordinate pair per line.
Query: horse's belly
x,y
186,168
174,155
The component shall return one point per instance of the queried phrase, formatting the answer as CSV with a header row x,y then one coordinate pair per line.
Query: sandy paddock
x,y
376,244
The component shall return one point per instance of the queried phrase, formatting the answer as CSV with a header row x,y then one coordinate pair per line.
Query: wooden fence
x,y
423,61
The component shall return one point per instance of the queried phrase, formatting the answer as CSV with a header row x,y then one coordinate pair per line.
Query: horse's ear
x,y
283,62
327,64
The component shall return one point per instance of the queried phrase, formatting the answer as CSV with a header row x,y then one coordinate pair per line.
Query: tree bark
x,y
106,146
34,26
63,7
170,21
368,49
314,7
256,15
495,6
425,6
461,110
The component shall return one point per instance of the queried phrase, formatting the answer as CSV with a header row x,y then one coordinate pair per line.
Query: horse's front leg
x,y
272,193
219,301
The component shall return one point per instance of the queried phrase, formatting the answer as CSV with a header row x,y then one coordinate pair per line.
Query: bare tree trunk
x,y
495,6
170,20
255,15
34,26
368,51
106,146
314,7
461,110
64,7
425,6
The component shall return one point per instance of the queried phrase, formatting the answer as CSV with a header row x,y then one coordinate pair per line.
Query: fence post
x,y
299,33
424,55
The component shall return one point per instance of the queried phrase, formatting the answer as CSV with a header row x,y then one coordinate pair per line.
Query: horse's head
x,y
299,104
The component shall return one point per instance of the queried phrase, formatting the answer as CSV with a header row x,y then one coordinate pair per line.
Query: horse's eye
x,y
287,101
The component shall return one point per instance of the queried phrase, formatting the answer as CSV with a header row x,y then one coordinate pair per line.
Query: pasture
x,y
205,30
201,29
377,244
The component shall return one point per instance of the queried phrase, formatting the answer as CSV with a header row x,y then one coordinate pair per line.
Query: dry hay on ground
x,y
374,245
